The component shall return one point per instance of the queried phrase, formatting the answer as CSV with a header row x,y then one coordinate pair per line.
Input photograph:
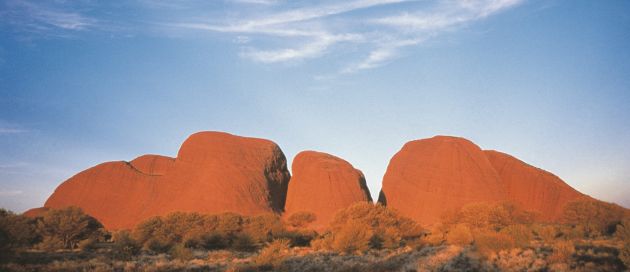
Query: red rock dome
x,y
323,184
214,172
428,177
532,188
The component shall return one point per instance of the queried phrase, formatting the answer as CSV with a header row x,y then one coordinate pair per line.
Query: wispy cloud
x,y
10,128
257,2
46,18
275,31
9,193
315,29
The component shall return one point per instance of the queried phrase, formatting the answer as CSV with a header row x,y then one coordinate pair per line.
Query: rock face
x,y
533,188
429,177
214,172
323,184
36,212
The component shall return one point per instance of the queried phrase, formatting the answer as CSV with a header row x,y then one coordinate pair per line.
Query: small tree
x,y
263,228
125,247
69,226
387,228
597,217
352,237
16,232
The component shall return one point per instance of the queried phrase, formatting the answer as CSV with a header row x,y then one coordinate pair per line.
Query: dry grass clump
x,y
624,255
301,219
521,234
379,226
519,260
273,254
546,233
491,242
562,252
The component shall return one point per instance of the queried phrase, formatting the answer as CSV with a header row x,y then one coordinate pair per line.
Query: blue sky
x,y
83,82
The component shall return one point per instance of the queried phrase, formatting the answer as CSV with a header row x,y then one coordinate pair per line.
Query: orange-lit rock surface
x,y
431,176
532,188
323,184
214,172
35,212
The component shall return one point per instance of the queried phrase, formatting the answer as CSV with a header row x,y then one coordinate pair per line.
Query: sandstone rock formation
x,y
323,184
214,172
35,212
429,177
532,188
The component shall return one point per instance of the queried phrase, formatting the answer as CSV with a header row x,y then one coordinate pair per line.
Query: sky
x,y
86,81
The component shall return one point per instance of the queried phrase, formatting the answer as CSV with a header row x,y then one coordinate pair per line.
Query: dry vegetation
x,y
593,236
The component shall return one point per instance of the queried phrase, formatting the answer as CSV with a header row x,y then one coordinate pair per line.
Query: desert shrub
x,y
181,252
521,234
546,233
51,243
301,219
481,215
157,245
16,232
323,242
227,224
87,244
517,215
273,254
436,235
569,232
243,242
562,252
147,229
386,228
192,230
459,235
298,237
597,217
622,231
352,237
475,215
124,246
69,225
263,228
489,242
624,254
451,258
519,260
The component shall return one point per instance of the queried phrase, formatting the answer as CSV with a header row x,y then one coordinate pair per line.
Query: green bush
x,y
69,225
596,217
624,254
16,232
622,231
124,247
181,252
263,228
243,242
